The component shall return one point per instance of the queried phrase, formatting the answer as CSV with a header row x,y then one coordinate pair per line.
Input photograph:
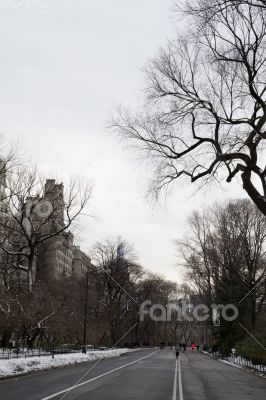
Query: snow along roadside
x,y
21,366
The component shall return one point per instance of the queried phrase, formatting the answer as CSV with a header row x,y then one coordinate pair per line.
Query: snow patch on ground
x,y
19,366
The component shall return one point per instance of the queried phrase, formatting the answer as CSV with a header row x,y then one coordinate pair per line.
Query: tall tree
x,y
118,272
210,8
205,110
225,258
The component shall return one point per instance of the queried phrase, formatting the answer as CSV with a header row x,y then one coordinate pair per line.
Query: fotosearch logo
x,y
33,211
184,311
25,3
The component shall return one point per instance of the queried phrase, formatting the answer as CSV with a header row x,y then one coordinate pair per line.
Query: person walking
x,y
177,351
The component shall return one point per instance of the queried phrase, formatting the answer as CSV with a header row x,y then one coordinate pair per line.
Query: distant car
x,y
102,348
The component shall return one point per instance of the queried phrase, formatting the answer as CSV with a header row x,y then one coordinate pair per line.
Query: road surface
x,y
141,375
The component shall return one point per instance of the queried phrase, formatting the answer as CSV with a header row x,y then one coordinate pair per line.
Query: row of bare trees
x,y
125,287
35,309
32,213
53,313
204,119
225,260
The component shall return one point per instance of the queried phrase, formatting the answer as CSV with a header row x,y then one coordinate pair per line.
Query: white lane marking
x,y
97,377
175,383
181,397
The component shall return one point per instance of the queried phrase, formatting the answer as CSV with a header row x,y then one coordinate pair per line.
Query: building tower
x,y
54,193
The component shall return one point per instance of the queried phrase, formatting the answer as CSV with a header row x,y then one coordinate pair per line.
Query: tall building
x,y
54,195
56,257
81,262
56,253
6,260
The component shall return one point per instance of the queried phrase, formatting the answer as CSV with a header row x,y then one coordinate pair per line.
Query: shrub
x,y
252,350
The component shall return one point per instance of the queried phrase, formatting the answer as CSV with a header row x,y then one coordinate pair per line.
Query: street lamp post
x,y
84,348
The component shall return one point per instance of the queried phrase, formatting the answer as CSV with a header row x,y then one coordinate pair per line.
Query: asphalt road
x,y
204,378
142,375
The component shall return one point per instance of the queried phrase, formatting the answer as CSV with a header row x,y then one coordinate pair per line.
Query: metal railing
x,y
253,364
6,354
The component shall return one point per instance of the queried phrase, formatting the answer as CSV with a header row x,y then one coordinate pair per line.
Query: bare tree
x,y
194,249
225,257
210,8
118,272
34,212
240,244
205,110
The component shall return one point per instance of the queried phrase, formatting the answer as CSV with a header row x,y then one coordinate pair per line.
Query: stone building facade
x,y
81,262
57,257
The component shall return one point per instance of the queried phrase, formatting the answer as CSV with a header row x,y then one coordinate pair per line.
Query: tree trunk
x,y
253,314
30,273
252,192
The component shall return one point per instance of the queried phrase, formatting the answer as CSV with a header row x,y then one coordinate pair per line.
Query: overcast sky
x,y
65,66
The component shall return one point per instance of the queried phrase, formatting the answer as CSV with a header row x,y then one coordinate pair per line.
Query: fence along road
x,y
145,374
